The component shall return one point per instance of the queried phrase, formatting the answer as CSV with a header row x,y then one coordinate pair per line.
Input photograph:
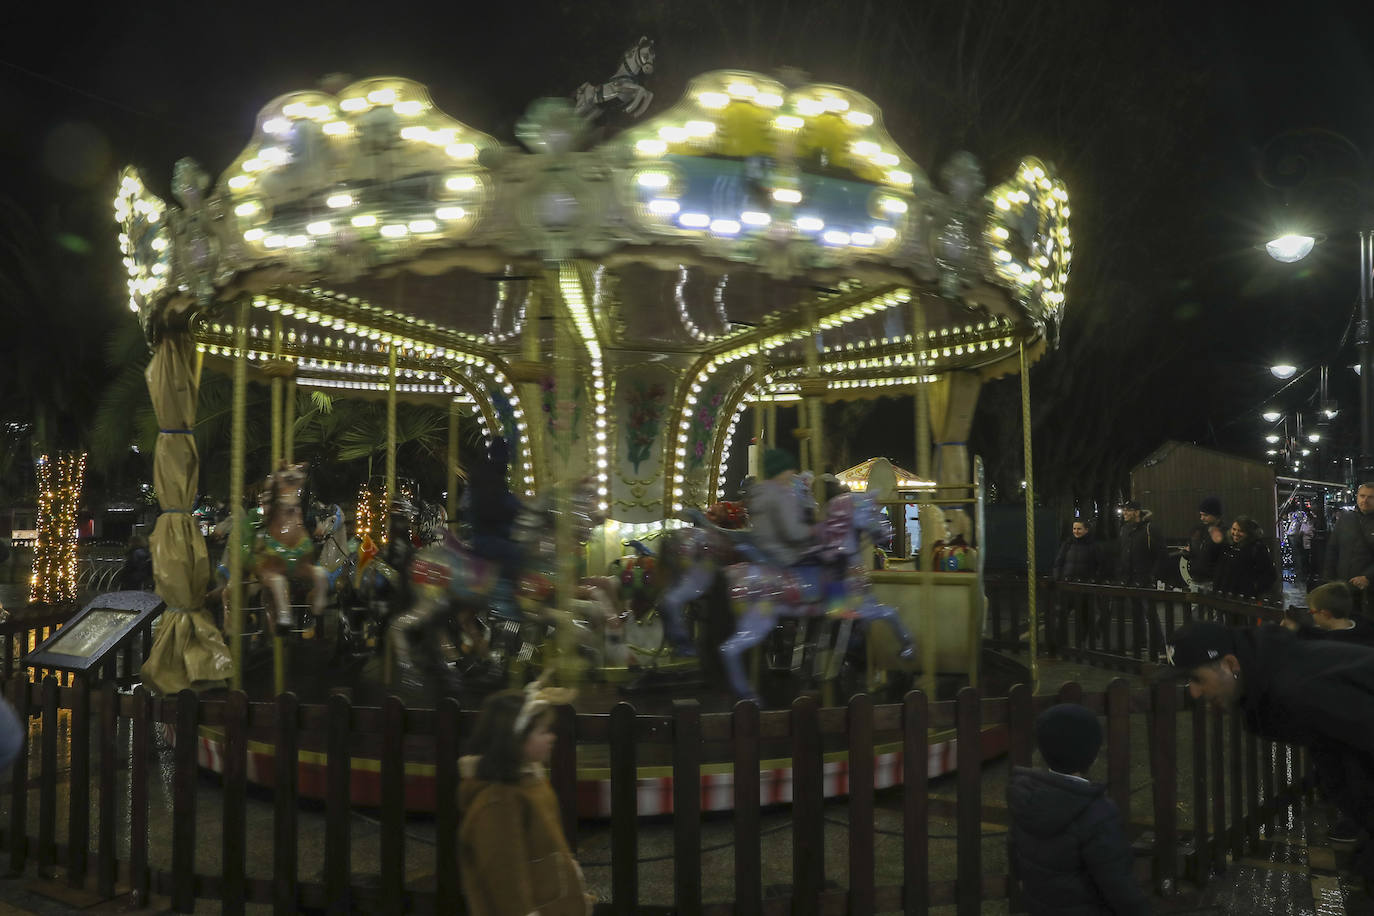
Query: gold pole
x,y
289,424
560,456
453,468
276,396
1032,613
391,427
927,527
756,455
236,449
388,656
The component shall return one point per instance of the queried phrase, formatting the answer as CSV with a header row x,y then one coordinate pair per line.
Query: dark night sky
x,y
85,91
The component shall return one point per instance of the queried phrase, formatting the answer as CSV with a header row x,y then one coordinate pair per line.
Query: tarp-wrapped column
x,y
188,651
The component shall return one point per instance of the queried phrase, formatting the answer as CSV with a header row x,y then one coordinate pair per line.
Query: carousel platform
x,y
314,675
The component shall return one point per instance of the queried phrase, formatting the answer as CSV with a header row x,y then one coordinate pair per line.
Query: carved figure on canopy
x,y
624,91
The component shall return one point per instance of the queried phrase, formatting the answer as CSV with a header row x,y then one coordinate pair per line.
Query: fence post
x,y
338,864
105,863
19,782
1020,729
184,802
915,804
1164,772
79,794
969,806
447,880
808,808
1200,857
748,834
862,890
393,832
140,744
1218,837
285,772
687,806
234,850
624,811
47,781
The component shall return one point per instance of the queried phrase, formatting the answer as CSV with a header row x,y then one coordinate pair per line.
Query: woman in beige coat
x,y
512,853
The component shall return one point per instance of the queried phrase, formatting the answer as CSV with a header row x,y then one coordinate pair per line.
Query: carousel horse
x,y
625,90
689,561
455,590
838,585
331,530
283,549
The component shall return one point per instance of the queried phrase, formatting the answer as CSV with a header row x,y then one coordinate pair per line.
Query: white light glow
x,y
1290,248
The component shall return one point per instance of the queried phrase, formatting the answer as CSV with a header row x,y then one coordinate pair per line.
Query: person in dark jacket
x,y
1246,567
1350,552
1205,541
1067,846
1139,547
1079,558
1139,562
1317,694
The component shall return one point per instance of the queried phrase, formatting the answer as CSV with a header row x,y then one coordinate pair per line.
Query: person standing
x,y
1298,533
1350,553
1139,561
1205,541
1066,846
1079,559
1246,567
1317,694
512,854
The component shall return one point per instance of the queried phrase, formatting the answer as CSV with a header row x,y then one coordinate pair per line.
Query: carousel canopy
x,y
756,240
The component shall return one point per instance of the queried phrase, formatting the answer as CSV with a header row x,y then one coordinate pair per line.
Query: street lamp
x,y
1290,248
1271,415
1299,158
1283,371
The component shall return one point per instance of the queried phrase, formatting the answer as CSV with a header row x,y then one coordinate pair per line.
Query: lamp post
x,y
1302,158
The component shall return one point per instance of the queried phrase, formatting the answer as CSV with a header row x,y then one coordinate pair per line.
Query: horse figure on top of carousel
x,y
625,90
283,549
796,569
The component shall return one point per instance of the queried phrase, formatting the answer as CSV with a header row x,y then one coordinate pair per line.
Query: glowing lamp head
x,y
1271,415
1290,248
1283,371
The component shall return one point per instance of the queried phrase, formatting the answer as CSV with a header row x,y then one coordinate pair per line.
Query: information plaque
x,y
101,627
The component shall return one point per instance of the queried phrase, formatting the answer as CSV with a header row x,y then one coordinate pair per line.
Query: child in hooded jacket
x,y
1067,845
512,855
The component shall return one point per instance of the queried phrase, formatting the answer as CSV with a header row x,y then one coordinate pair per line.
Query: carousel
x,y
630,312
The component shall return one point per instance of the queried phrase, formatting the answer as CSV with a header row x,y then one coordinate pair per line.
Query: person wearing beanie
x,y
778,511
1205,541
1067,846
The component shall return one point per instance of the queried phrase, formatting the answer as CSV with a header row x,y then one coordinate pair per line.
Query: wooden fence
x,y
1232,784
1106,624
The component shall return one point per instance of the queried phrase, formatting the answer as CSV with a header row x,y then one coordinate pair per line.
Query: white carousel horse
x,y
762,592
